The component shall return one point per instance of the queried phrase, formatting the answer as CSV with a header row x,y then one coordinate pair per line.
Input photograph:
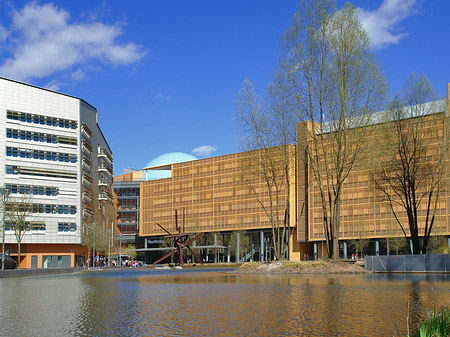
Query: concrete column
x,y
145,243
228,253
448,244
261,246
377,248
252,247
411,247
387,245
315,251
237,247
287,245
215,248
345,250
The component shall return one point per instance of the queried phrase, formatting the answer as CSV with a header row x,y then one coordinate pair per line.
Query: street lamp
x,y
4,195
109,247
93,259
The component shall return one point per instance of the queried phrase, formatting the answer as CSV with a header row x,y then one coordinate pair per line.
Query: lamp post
x,y
93,258
120,241
4,195
109,248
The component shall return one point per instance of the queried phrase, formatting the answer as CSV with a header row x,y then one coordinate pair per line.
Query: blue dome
x,y
162,165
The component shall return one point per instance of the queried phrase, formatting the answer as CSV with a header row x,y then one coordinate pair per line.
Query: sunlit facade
x,y
363,212
214,197
56,154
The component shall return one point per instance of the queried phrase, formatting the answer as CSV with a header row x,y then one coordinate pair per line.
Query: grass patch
x,y
436,325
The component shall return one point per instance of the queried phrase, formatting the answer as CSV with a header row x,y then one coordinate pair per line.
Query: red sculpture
x,y
180,241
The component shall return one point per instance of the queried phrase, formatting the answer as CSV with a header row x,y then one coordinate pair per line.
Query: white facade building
x,y
55,154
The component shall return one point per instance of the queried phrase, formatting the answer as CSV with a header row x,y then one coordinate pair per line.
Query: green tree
x,y
131,252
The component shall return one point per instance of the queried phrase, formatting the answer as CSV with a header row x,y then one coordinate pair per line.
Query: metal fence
x,y
408,263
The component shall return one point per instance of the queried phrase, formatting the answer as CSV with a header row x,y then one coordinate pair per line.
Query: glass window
x,y
12,169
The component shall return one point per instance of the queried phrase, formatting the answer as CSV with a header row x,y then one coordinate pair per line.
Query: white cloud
x,y
161,97
53,85
78,74
45,42
382,23
204,150
3,34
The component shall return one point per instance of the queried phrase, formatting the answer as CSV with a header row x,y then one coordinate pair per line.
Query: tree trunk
x,y
335,225
18,255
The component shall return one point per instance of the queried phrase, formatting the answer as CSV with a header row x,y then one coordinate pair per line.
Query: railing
x,y
408,263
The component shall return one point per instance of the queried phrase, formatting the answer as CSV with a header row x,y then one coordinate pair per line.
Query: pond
x,y
145,302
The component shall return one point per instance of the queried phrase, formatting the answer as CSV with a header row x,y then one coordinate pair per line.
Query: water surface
x,y
142,302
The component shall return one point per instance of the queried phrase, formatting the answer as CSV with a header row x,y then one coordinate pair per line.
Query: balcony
x,y
102,153
102,183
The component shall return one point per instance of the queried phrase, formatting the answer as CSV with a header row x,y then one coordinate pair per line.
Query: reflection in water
x,y
167,303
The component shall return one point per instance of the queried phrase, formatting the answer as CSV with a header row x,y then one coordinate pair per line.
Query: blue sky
x,y
164,74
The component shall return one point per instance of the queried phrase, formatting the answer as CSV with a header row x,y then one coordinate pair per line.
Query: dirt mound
x,y
304,267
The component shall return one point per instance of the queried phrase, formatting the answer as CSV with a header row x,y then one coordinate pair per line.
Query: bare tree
x,y
19,215
267,169
215,239
411,174
94,237
397,243
360,244
437,244
394,237
334,84
244,243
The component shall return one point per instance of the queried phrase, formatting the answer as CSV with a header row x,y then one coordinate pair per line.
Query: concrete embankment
x,y
37,272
